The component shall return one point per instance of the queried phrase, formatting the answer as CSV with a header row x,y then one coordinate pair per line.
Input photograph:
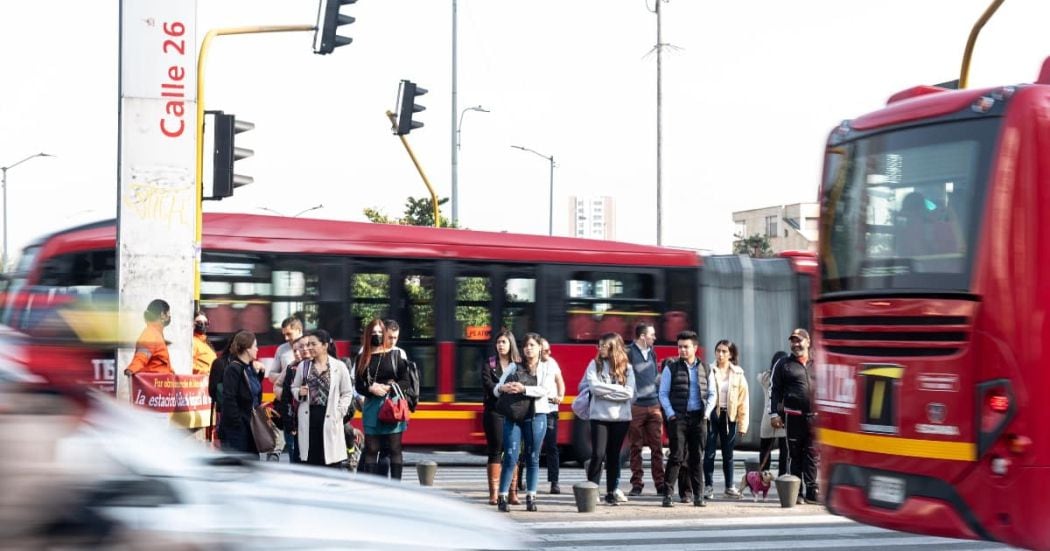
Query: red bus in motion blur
x,y
447,288
931,319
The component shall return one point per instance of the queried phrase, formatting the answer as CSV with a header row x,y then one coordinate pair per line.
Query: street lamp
x,y
550,211
297,215
4,169
455,163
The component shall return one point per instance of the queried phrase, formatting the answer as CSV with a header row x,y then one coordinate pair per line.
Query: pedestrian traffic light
x,y
406,106
328,21
220,130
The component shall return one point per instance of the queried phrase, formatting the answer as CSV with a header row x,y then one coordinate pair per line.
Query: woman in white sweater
x,y
610,380
535,379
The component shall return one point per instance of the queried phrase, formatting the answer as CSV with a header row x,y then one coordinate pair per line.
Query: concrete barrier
x,y
586,494
426,471
787,489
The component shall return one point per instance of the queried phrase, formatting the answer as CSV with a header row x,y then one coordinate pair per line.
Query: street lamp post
x,y
550,207
4,170
455,162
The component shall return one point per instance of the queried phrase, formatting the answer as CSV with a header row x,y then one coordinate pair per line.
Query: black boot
x,y
530,503
395,470
501,503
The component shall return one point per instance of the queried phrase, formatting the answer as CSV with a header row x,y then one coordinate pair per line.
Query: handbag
x,y
264,432
581,405
515,406
394,408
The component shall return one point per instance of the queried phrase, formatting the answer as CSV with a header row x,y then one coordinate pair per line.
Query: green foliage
x,y
756,246
418,212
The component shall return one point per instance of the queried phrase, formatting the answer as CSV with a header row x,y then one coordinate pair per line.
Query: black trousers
x,y
765,453
687,434
802,450
492,423
606,442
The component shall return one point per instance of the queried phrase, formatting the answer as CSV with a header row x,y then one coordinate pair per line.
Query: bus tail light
x,y
996,407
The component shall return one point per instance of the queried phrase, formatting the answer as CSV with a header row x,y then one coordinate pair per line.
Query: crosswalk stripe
x,y
908,541
797,532
718,522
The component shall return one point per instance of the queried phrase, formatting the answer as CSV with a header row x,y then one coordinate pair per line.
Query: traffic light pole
x,y
199,175
437,213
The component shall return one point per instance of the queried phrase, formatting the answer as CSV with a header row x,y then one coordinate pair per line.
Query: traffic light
x,y
328,21
406,106
220,130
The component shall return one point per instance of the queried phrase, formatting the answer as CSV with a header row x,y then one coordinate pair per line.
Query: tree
x,y
756,246
418,212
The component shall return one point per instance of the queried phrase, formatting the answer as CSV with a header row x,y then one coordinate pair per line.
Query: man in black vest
x,y
791,404
687,395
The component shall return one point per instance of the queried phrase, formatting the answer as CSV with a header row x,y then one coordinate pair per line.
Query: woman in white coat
x,y
325,393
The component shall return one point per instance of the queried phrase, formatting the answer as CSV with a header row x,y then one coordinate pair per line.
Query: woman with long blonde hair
x,y
610,380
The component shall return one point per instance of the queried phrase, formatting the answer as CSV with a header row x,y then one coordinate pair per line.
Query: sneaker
x,y
700,502
555,489
610,499
686,498
635,491
668,502
709,492
732,493
811,500
620,498
800,500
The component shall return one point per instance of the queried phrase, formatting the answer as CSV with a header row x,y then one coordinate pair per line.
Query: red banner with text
x,y
184,397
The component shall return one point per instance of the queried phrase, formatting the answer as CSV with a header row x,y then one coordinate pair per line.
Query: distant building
x,y
592,217
789,227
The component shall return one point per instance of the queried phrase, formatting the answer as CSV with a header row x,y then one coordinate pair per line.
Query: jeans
x,y
531,431
550,447
606,441
723,430
687,433
647,429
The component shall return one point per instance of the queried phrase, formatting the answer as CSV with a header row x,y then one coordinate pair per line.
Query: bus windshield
x,y
901,209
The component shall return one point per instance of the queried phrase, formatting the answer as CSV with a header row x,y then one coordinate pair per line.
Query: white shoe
x,y
620,498
709,492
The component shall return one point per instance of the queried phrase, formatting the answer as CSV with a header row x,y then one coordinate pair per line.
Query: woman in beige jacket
x,y
728,419
325,392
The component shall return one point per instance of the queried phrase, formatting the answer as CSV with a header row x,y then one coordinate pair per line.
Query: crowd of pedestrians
x,y
702,408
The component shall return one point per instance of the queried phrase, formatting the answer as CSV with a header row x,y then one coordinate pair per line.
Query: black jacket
x,y
237,402
793,386
383,368
490,376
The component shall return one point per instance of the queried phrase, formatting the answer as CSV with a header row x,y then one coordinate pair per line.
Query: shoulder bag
x,y
394,408
515,406
264,432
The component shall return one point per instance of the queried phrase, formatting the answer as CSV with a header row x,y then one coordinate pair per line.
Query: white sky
x,y
748,100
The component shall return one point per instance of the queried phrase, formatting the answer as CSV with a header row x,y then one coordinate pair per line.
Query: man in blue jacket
x,y
687,395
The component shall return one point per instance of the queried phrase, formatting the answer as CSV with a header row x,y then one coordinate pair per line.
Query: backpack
x,y
412,391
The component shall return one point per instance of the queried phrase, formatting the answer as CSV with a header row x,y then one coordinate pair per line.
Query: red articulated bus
x,y
447,289
931,319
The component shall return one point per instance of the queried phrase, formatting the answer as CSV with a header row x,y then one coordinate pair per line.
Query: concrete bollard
x,y
787,489
426,471
586,494
751,465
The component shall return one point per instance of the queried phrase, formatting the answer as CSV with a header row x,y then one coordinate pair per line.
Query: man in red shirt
x,y
151,350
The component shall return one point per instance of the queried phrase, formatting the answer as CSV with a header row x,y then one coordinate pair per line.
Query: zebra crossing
x,y
731,534
725,524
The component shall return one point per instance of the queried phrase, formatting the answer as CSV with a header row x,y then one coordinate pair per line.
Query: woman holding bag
x,y
610,380
324,390
241,393
379,367
535,380
492,370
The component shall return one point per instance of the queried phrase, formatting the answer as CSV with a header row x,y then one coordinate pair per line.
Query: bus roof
x,y
919,106
255,232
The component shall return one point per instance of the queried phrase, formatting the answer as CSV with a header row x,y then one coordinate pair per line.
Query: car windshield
x,y
901,209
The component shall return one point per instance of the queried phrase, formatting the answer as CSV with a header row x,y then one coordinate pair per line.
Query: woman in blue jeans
x,y
536,380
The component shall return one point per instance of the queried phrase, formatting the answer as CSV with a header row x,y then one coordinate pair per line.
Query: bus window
x,y
610,302
473,316
370,293
84,269
519,305
681,295
419,289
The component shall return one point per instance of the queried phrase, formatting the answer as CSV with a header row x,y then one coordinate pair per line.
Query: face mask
x,y
200,327
377,340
